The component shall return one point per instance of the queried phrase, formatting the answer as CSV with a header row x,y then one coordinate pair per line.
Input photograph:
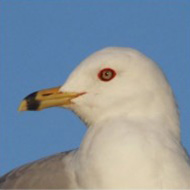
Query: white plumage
x,y
133,136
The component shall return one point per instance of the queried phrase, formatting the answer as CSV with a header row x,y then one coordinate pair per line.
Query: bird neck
x,y
112,147
116,131
158,122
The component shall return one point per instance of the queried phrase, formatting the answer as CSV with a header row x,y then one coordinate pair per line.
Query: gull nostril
x,y
47,94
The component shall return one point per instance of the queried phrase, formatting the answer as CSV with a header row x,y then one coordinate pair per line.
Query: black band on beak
x,y
32,103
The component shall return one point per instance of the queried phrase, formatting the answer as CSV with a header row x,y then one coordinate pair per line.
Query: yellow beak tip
x,y
23,106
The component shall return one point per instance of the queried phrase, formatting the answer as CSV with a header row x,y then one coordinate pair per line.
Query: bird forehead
x,y
94,64
124,61
103,58
119,58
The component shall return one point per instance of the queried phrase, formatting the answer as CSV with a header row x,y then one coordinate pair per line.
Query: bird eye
x,y
106,74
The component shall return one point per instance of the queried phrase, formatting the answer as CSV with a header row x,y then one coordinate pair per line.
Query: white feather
x,y
133,136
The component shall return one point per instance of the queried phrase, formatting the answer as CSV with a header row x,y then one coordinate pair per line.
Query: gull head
x,y
112,83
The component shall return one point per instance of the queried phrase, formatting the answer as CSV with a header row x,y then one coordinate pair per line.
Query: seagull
x,y
133,131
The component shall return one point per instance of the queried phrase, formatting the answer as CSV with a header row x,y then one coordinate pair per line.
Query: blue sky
x,y
43,41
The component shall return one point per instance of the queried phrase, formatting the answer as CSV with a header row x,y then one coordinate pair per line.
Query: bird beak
x,y
47,98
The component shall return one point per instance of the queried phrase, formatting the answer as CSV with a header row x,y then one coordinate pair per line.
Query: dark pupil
x,y
107,74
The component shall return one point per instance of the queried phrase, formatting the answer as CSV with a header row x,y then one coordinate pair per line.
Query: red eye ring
x,y
106,74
